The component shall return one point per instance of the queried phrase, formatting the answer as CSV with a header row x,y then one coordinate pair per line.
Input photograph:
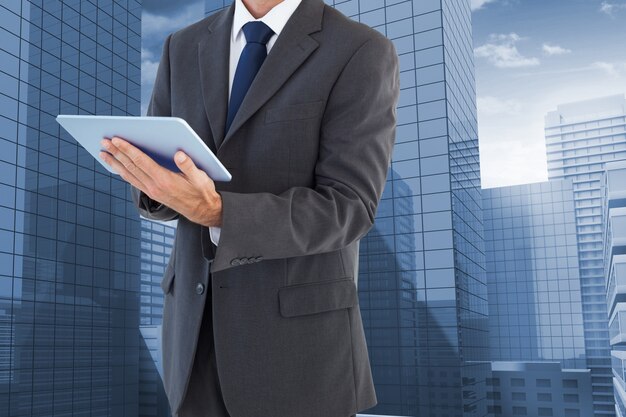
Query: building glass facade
x,y
157,240
422,288
537,344
535,308
69,233
539,389
614,204
580,138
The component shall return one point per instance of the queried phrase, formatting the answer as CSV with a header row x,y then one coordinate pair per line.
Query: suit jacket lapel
x,y
213,58
291,48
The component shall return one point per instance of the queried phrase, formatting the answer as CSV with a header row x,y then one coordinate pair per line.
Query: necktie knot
x,y
257,32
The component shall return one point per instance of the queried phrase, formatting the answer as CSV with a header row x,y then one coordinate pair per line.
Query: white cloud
x,y
614,69
153,24
501,51
478,4
510,161
490,105
155,27
551,50
149,68
611,8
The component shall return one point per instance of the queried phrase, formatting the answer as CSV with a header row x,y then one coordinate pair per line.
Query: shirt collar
x,y
276,18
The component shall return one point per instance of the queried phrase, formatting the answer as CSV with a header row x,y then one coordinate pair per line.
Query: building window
x,y
544,396
493,395
543,383
494,382
517,382
570,398
519,411
495,409
518,396
570,383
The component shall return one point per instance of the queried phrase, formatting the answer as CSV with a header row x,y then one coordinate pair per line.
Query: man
x,y
269,259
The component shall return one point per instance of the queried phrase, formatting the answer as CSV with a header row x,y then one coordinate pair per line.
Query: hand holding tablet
x,y
142,151
158,137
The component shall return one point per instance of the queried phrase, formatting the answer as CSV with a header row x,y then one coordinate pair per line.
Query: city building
x,y
153,401
69,233
535,307
422,289
539,389
580,138
614,204
157,239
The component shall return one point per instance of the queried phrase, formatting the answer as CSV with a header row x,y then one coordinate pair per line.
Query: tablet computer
x,y
158,137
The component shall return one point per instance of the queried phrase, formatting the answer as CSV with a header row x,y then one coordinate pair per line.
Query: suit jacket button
x,y
234,261
251,259
200,288
258,258
243,260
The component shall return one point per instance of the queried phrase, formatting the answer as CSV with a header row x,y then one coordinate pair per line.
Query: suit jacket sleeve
x,y
159,106
356,141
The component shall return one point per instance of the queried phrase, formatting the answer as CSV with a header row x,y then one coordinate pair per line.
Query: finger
x,y
125,160
187,167
122,171
137,157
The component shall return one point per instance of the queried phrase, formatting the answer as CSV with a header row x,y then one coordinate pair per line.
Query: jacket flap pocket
x,y
294,111
317,297
168,277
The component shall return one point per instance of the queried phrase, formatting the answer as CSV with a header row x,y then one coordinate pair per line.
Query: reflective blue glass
x,y
64,358
582,138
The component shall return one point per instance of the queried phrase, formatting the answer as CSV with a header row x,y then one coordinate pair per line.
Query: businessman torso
x,y
276,19
309,151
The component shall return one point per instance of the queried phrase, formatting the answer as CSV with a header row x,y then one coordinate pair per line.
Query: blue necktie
x,y
257,34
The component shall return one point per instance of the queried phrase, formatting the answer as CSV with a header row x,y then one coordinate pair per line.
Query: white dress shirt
x,y
276,19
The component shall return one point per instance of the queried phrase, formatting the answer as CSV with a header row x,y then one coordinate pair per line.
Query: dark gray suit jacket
x,y
309,151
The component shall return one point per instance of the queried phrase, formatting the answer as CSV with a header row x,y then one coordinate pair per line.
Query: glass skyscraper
x,y
614,204
539,389
69,233
535,309
157,239
580,138
537,345
422,285
422,288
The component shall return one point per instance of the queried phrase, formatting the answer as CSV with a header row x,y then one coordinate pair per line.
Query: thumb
x,y
185,164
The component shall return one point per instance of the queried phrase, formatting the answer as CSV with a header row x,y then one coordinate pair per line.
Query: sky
x,y
160,18
530,56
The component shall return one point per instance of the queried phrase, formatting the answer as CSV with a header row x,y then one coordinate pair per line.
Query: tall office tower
x,y
69,234
539,389
535,308
422,288
580,138
614,205
157,239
